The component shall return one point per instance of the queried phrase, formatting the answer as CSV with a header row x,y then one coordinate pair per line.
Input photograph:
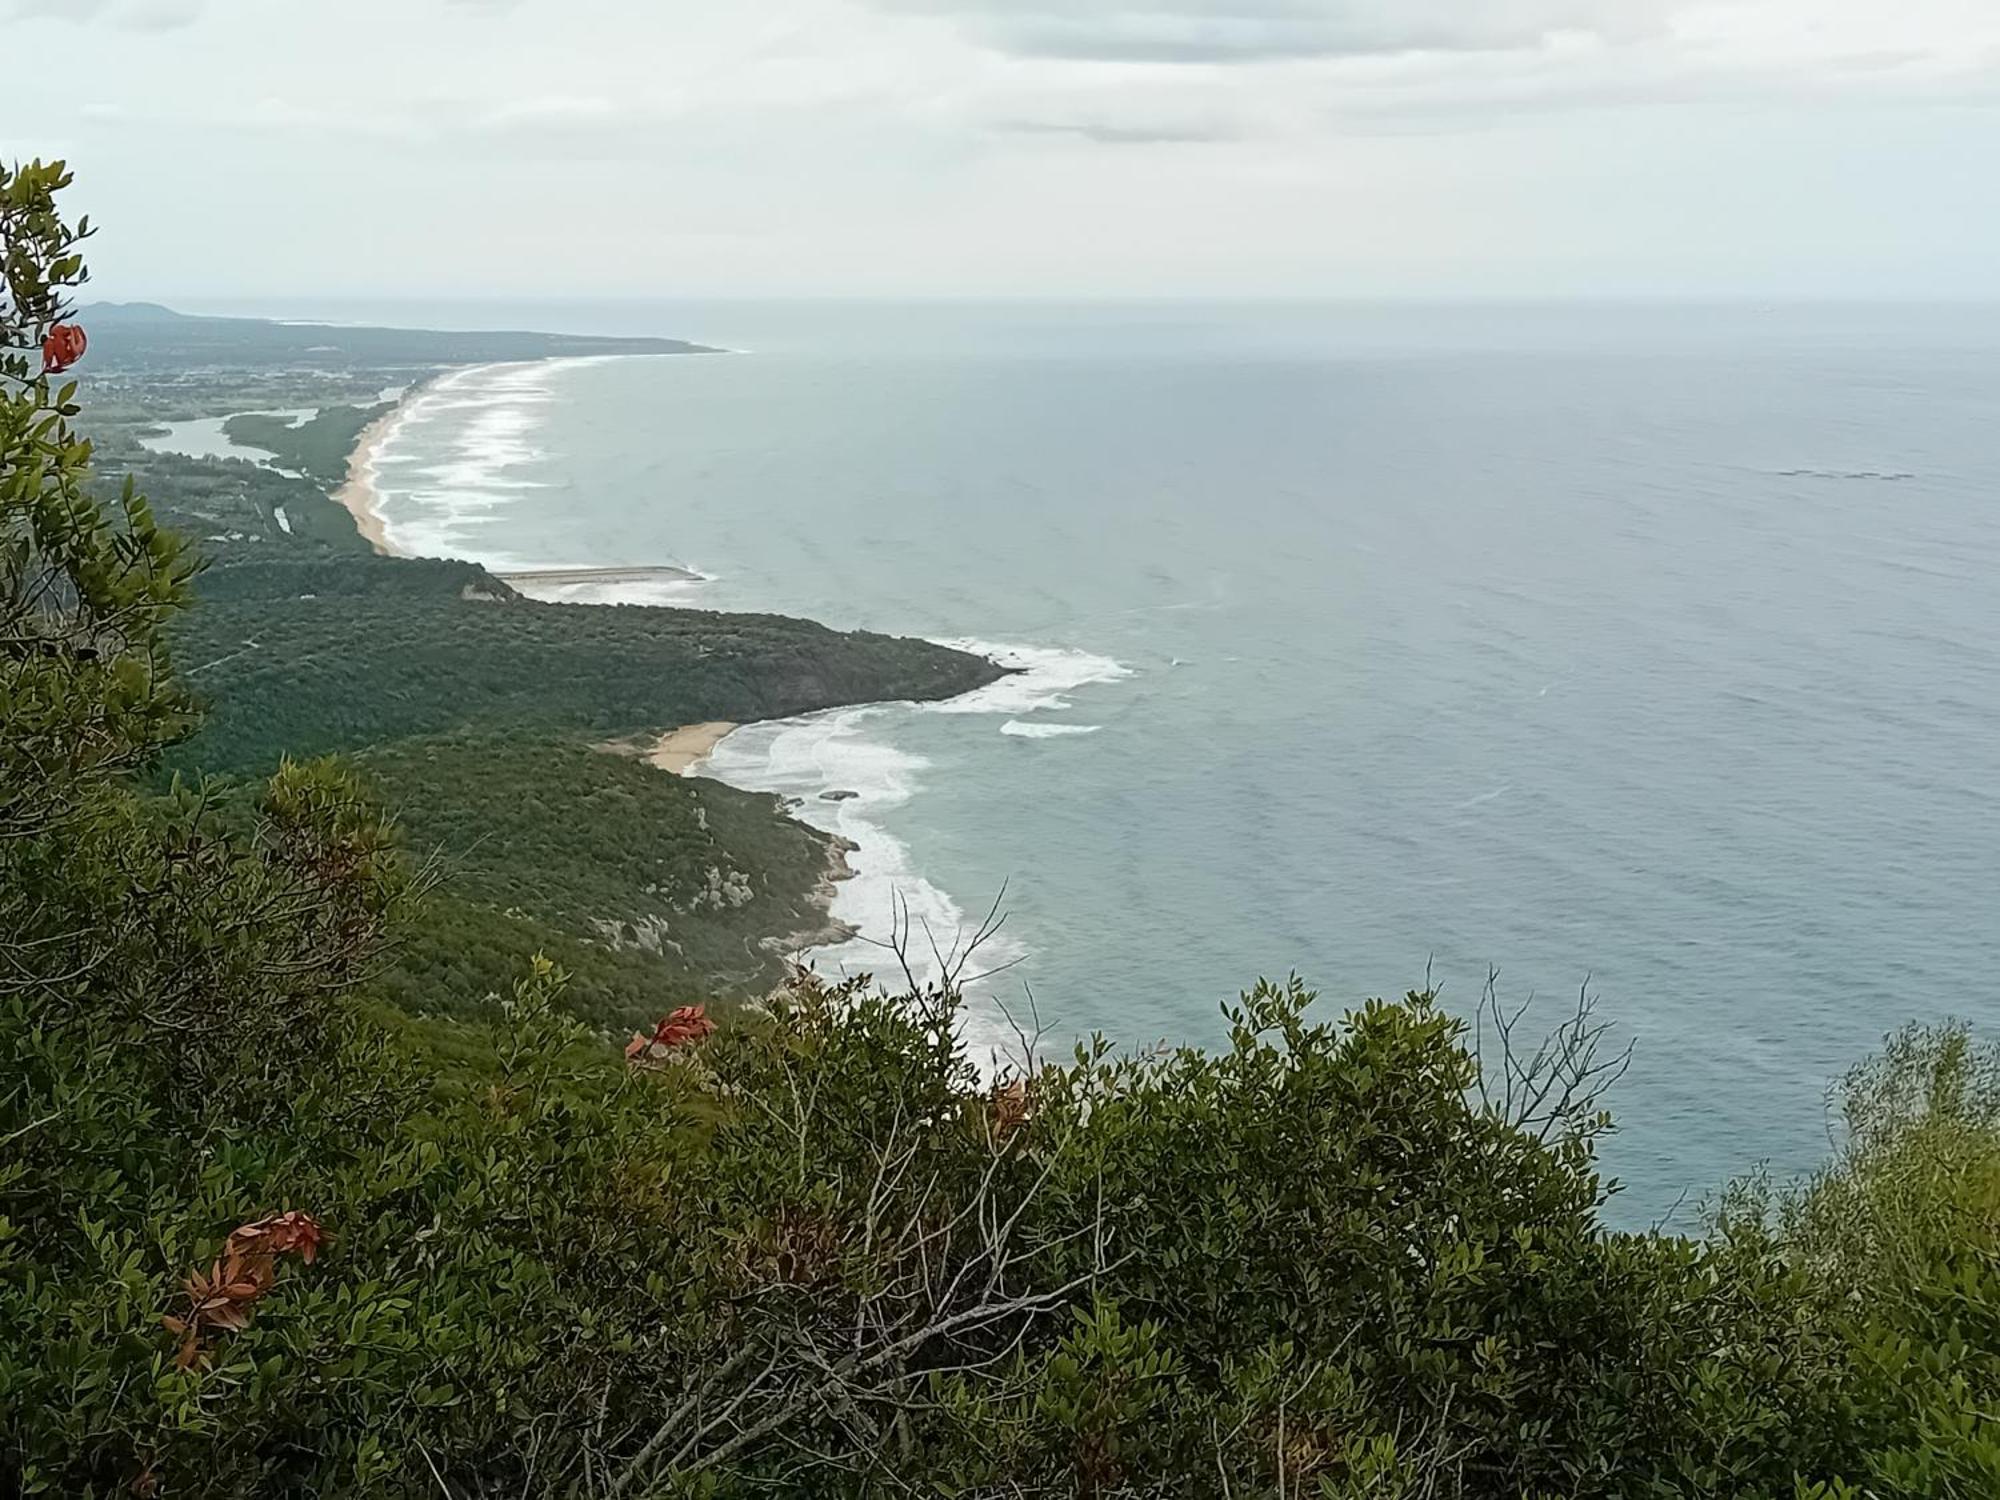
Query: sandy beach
x,y
358,493
680,750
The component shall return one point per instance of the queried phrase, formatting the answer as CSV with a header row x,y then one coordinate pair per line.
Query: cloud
x,y
1109,133
1249,31
128,15
552,110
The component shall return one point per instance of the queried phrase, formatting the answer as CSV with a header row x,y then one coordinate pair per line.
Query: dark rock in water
x,y
837,796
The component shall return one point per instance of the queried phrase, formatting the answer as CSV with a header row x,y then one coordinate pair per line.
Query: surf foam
x,y
852,751
804,757
434,495
1045,731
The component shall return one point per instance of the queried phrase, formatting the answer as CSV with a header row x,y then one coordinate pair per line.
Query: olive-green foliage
x,y
318,446
81,591
307,676
457,955
292,578
707,880
1901,1240
168,986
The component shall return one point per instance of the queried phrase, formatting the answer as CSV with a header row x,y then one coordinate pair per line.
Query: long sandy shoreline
x,y
358,493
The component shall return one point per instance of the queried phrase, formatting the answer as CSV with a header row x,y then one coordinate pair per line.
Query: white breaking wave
x,y
849,752
429,503
1046,731
665,590
803,758
1042,677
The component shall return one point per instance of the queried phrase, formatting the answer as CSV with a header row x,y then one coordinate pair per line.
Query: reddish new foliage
x,y
62,348
1011,1107
220,1301
688,1024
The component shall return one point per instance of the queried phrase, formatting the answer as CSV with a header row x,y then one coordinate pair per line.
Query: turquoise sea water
x,y
1657,648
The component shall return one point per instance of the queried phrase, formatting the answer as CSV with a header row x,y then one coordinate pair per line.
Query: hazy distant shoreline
x,y
360,494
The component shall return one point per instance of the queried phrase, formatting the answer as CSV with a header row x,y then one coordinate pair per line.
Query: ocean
x,y
1651,650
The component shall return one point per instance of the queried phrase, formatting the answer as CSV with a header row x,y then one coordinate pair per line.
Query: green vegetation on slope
x,y
339,671
282,579
482,716
319,445
709,882
460,957
229,507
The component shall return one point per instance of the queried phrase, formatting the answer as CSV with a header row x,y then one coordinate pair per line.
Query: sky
x,y
262,149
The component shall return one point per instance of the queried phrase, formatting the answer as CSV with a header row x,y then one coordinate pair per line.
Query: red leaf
x,y
688,1024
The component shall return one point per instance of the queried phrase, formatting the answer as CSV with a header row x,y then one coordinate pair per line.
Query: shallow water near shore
x,y
1655,648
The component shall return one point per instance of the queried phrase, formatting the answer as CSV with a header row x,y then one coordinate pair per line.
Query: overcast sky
x,y
543,148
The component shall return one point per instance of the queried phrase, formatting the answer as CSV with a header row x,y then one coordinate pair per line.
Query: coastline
x,y
831,931
870,875
681,750
846,771
359,494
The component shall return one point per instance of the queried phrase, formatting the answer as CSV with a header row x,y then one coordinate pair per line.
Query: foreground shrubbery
x,y
812,1256
813,1253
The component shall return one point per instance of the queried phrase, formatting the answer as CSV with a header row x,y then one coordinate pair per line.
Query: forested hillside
x,y
327,668
499,730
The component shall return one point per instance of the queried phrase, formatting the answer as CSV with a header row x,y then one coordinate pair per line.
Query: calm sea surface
x,y
1653,648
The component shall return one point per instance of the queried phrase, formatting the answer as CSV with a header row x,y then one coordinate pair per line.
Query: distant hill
x,y
97,314
147,335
